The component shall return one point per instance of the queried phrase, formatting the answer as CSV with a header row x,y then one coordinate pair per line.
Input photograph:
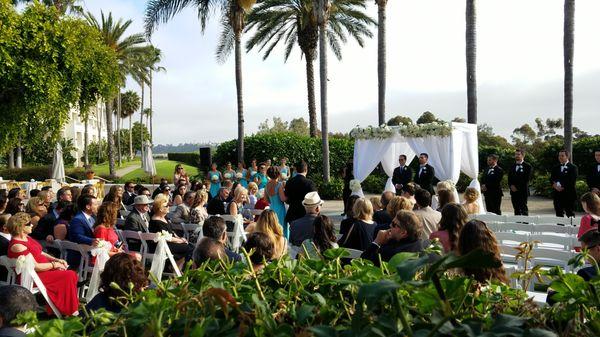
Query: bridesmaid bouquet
x,y
238,175
284,176
214,179
227,175
355,185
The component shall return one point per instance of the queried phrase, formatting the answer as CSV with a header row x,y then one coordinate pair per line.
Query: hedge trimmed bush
x,y
190,158
583,155
38,173
332,190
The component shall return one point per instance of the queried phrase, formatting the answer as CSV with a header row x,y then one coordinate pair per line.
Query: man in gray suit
x,y
138,219
302,229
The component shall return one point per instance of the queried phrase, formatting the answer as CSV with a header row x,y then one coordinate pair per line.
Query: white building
x,y
75,130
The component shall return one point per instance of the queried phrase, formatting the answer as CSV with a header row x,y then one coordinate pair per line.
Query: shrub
x,y
375,183
332,190
583,154
541,186
190,158
38,173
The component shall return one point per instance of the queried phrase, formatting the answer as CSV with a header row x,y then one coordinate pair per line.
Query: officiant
x,y
402,175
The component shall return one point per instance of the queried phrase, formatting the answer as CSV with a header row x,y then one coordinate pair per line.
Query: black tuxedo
x,y
425,177
401,176
3,251
519,177
564,201
593,178
128,198
295,190
492,179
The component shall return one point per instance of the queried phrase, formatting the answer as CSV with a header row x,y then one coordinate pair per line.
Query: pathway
x,y
128,169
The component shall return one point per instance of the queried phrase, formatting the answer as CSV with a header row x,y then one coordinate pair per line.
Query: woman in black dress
x,y
180,248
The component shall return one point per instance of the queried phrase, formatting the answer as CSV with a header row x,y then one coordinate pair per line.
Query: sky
x,y
519,70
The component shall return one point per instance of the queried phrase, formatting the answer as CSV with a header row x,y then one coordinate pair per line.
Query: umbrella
x,y
148,162
58,166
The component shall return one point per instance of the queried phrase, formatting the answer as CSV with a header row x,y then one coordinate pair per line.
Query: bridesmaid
x,y
241,174
229,173
284,169
276,195
260,178
215,178
252,170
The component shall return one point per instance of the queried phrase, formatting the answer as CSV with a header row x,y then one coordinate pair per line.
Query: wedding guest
x,y
268,224
80,227
198,213
236,206
295,190
476,235
408,191
260,178
75,193
252,190
376,202
252,170
15,300
323,237
46,197
3,202
4,241
115,196
590,203
563,178
138,220
64,194
163,182
182,212
519,176
179,194
394,206
89,190
349,220
593,177
208,249
215,228
261,249
430,218
591,241
61,229
180,174
402,174
284,169
303,229
215,177
453,219
241,174
45,227
444,185
347,176
34,193
471,206
275,191
217,205
425,174
36,210
491,185
229,173
14,206
360,235
104,228
382,216
60,283
16,192
129,193
444,197
180,248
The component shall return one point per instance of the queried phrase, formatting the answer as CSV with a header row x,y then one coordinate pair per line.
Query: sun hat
x,y
142,200
312,199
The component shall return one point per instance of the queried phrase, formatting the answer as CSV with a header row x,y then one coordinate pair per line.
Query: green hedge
x,y
41,173
583,154
190,158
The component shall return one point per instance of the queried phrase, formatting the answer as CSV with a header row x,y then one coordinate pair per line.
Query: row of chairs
x,y
491,218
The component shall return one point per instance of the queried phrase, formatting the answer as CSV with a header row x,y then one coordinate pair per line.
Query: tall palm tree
x,y
233,18
568,50
471,46
294,21
130,103
322,12
381,59
129,50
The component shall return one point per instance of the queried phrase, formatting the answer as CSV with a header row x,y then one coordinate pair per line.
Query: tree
x,y
568,51
546,130
487,137
299,126
139,134
400,120
294,21
278,126
381,58
427,117
322,12
523,135
155,58
62,6
130,102
471,44
459,120
233,19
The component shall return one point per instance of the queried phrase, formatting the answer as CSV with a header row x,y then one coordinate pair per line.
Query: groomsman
x,y
563,177
402,175
593,178
519,176
491,185
425,174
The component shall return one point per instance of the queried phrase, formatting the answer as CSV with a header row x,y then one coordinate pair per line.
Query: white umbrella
x,y
58,165
148,162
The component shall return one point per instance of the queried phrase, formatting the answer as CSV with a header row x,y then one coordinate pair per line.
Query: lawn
x,y
164,169
102,169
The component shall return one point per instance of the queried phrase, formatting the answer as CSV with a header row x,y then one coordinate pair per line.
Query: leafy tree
x,y
427,117
523,135
400,120
62,6
278,126
487,137
139,132
547,129
299,126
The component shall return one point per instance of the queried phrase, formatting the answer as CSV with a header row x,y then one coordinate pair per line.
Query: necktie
x,y
519,167
563,168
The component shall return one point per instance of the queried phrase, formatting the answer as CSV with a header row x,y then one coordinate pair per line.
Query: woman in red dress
x,y
60,283
104,229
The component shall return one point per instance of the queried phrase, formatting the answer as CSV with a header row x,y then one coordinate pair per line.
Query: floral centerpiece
x,y
435,129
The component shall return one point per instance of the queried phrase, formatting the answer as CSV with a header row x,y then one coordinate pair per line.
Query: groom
x,y
425,174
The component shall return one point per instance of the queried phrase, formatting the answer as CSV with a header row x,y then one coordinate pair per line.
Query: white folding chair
x,y
490,218
144,238
564,242
513,227
512,239
554,220
56,244
576,221
237,236
293,251
552,257
510,269
508,254
84,267
130,240
191,228
354,253
551,229
9,265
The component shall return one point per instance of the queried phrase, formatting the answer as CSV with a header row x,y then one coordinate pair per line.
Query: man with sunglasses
x,y
404,235
129,193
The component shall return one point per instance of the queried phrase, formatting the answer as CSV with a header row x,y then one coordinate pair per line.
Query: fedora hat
x,y
142,200
312,199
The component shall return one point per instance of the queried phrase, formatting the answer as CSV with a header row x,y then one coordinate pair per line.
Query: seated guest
x,y
15,300
236,206
36,210
302,229
470,204
123,270
430,218
208,249
115,195
163,182
590,203
447,185
268,224
591,241
61,229
382,216
198,212
263,201
453,219
129,193
46,196
323,237
138,219
34,193
64,194
182,212
360,235
474,235
252,190
4,241
444,197
75,194
81,227
217,205
404,235
376,202
3,202
394,206
104,228
180,248
347,223
60,283
17,192
215,228
261,249
179,194
14,206
408,191
45,227
89,190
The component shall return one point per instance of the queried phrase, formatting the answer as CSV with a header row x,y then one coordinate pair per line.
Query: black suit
x,y
392,248
401,176
492,179
216,206
424,178
128,198
593,178
519,177
295,190
564,201
3,251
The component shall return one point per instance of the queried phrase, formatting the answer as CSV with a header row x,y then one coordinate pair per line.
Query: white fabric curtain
x,y
470,156
367,154
443,154
389,161
58,165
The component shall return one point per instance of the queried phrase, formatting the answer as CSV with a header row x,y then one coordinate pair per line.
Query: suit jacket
x,y
3,251
128,198
593,178
430,219
181,214
45,226
402,175
136,223
492,179
295,190
392,248
11,332
302,229
520,177
382,217
80,230
566,178
216,206
425,179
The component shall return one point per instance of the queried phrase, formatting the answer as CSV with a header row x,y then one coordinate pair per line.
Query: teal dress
x,y
262,180
252,174
215,185
285,170
243,181
279,208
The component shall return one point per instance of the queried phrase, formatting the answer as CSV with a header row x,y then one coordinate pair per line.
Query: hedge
x,y
190,158
583,155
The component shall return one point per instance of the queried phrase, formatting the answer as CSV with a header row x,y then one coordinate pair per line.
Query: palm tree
x,y
322,13
294,21
568,50
233,18
129,50
130,103
381,58
471,46
155,58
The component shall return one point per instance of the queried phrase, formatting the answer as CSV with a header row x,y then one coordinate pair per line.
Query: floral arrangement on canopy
x,y
435,129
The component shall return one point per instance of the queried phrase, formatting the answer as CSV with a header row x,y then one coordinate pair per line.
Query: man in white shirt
x,y
429,217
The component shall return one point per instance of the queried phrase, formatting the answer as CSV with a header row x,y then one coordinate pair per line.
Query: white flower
x,y
239,175
227,175
283,176
355,185
214,179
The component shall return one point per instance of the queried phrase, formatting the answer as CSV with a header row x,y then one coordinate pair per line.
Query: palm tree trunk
x,y
130,138
471,45
86,120
142,123
238,85
109,138
381,59
119,128
151,109
310,85
324,116
568,49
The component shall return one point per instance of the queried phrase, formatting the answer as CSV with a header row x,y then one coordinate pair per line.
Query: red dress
x,y
107,234
61,285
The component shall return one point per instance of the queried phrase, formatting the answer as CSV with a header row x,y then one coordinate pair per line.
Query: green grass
x,y
102,169
164,169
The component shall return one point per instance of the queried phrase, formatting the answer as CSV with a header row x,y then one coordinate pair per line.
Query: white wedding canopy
x,y
449,155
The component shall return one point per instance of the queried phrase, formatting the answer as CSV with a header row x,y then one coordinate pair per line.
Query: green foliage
x,y
137,128
40,152
98,152
583,154
507,156
375,183
191,158
330,191
486,137
399,120
297,126
427,117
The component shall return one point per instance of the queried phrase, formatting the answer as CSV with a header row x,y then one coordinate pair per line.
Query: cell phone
x,y
118,244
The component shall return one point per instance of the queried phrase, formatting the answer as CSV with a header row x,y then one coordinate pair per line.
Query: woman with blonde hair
x,y
376,202
395,205
445,185
360,235
198,212
36,208
470,204
268,224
